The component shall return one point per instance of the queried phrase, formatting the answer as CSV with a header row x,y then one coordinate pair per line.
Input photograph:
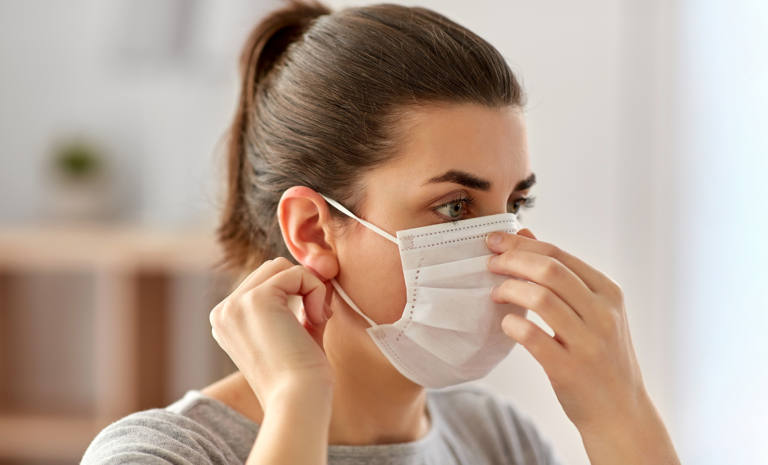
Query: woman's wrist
x,y
637,437
290,388
314,396
295,426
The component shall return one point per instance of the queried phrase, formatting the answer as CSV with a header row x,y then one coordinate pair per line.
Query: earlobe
x,y
306,229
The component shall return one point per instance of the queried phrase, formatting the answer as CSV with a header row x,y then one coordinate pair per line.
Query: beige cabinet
x,y
97,322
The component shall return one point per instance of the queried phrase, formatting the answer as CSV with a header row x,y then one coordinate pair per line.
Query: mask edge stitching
x,y
451,241
453,229
415,288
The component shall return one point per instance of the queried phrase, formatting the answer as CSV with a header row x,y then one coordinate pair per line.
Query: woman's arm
x,y
295,428
281,355
642,439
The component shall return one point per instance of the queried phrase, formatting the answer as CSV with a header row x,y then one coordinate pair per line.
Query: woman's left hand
x,y
590,361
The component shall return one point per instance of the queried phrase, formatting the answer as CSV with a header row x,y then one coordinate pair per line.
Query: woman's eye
x,y
457,209
524,202
453,210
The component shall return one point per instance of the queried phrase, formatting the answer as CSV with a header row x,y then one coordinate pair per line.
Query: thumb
x,y
315,324
315,329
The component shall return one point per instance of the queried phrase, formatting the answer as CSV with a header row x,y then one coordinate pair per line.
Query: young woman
x,y
377,159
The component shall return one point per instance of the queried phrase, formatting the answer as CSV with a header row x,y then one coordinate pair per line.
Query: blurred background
x,y
648,130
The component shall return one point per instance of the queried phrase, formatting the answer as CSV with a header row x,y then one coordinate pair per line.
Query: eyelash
x,y
527,202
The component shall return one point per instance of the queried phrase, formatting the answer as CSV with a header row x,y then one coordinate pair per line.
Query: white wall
x,y
722,145
80,66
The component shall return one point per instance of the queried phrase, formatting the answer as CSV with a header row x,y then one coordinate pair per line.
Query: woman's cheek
x,y
385,289
373,276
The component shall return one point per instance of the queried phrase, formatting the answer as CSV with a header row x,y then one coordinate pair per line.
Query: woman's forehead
x,y
487,142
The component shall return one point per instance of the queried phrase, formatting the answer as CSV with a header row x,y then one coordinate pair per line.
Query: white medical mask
x,y
450,330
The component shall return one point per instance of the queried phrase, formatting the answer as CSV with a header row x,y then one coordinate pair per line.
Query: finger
x,y
298,280
314,330
527,233
261,274
256,277
546,271
566,324
543,348
326,307
594,279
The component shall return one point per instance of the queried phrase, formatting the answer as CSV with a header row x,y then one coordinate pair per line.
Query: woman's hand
x,y
275,349
590,360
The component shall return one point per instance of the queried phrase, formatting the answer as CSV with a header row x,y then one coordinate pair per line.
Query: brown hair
x,y
323,96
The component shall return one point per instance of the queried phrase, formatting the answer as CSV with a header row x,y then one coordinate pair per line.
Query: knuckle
x,y
295,268
282,261
552,250
527,333
249,297
265,264
542,297
612,287
291,270
502,260
552,270
214,317
229,309
617,290
500,291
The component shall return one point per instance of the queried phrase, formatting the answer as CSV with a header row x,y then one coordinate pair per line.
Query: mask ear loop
x,y
377,230
371,226
349,302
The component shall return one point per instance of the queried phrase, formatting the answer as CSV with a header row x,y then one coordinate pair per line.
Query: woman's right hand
x,y
274,348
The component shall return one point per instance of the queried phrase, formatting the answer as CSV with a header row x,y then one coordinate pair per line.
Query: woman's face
x,y
468,151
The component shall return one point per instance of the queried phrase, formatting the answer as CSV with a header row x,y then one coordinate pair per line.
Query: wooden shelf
x,y
73,247
36,438
130,270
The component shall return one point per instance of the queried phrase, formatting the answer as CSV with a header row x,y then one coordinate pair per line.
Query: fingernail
x,y
494,238
492,259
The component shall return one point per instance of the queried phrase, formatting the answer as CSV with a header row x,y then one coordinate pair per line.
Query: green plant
x,y
77,159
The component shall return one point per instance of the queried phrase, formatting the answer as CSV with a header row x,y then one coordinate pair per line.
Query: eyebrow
x,y
473,182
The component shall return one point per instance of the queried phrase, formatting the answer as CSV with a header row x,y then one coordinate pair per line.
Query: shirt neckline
x,y
390,449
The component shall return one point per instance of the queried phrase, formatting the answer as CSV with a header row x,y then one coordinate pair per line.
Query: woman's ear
x,y
305,224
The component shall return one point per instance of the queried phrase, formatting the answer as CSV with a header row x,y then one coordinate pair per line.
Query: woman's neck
x,y
372,402
367,411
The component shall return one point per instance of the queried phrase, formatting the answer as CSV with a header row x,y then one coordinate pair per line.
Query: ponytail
x,y
241,237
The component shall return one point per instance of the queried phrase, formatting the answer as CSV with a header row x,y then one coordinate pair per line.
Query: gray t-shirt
x,y
470,425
